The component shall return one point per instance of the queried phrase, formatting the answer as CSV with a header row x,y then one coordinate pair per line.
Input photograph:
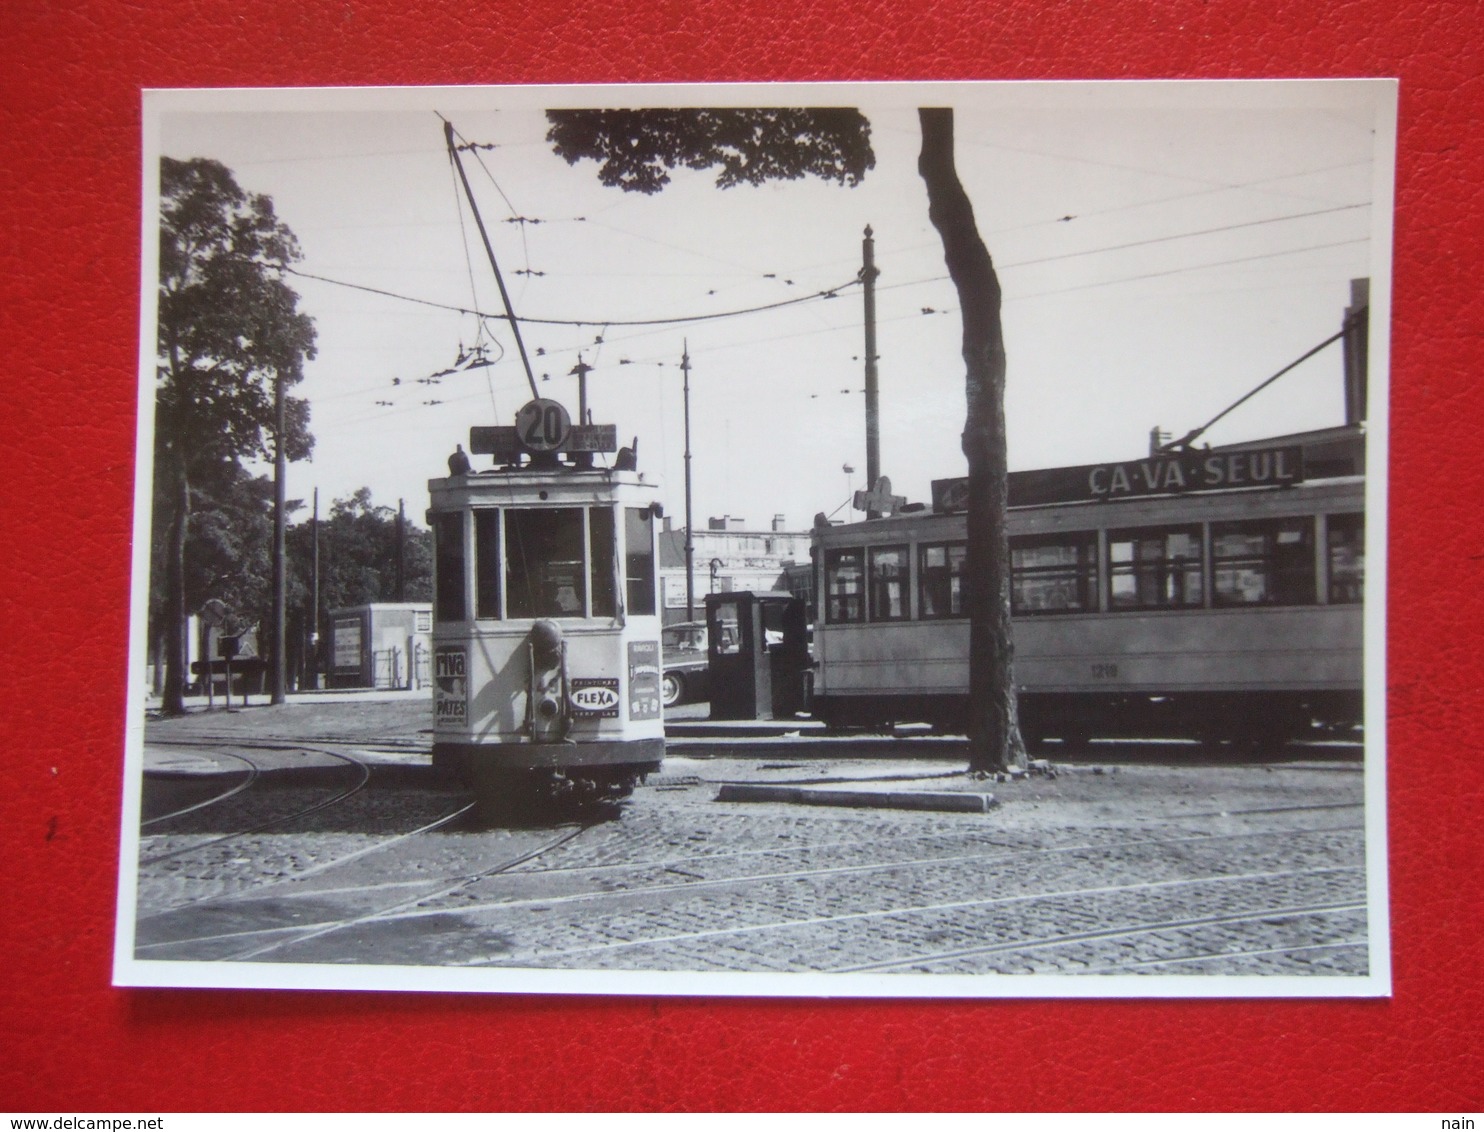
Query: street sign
x,y
880,498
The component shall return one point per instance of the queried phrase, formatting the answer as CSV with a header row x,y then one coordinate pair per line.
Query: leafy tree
x,y
637,148
230,548
357,560
229,328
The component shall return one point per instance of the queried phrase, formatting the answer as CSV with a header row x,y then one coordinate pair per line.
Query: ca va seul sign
x,y
1158,475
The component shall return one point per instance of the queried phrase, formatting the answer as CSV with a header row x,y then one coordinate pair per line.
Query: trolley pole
x,y
690,541
280,471
873,419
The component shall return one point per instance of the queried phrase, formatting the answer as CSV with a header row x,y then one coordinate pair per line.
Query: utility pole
x,y
314,597
401,550
690,541
280,471
873,419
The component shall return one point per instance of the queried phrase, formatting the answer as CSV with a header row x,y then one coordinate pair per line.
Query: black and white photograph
x,y
850,540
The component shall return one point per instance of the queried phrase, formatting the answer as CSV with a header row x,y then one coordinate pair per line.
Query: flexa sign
x,y
594,697
1159,475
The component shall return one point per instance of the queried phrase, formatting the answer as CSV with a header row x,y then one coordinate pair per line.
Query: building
x,y
381,645
728,556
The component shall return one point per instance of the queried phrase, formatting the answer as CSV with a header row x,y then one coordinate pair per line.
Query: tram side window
x,y
940,580
1346,558
544,575
1054,573
845,586
448,550
1263,562
889,583
486,564
639,558
1158,568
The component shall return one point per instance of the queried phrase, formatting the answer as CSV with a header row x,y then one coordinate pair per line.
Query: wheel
x,y
672,689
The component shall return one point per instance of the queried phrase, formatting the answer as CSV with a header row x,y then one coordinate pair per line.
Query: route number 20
x,y
542,425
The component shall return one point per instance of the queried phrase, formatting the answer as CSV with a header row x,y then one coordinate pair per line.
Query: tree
x,y
358,555
229,329
358,564
637,148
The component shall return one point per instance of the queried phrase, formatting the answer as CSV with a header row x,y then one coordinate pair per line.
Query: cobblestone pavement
x,y
1215,869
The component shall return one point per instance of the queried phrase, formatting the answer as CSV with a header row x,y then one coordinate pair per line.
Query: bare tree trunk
x,y
175,611
994,734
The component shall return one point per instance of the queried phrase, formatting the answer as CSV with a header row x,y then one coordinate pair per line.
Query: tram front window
x,y
545,574
448,544
605,562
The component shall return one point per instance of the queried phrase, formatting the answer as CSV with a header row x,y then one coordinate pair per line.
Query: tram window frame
x,y
845,608
1346,581
603,561
639,566
902,581
1139,568
488,564
1287,577
449,586
521,602
1081,573
945,581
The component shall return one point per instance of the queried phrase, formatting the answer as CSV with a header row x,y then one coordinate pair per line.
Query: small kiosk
x,y
381,645
758,655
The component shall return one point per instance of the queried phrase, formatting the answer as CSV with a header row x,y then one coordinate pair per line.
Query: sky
x,y
1163,248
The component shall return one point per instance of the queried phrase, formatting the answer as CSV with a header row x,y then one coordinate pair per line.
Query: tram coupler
x,y
546,713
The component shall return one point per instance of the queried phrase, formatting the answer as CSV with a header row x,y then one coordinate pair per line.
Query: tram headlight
x,y
548,693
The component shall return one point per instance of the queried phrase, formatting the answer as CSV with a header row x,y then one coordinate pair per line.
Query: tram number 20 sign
x,y
542,425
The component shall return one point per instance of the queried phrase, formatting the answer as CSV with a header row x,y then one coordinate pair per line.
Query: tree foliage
x,y
229,330
636,149
358,556
229,326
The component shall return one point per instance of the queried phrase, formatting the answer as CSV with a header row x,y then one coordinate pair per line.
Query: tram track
x,y
253,770
290,936
815,923
363,776
1121,931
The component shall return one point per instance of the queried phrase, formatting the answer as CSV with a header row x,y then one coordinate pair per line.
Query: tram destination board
x,y
503,442
1170,474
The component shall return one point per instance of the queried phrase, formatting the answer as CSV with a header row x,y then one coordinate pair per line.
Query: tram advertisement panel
x,y
1159,475
595,697
644,680
450,688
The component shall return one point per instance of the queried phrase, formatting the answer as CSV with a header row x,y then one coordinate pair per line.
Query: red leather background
x,y
69,262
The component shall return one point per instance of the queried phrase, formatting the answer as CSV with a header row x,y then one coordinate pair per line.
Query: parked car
x,y
686,672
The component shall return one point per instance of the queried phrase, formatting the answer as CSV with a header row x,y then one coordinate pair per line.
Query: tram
x,y
1213,594
546,625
